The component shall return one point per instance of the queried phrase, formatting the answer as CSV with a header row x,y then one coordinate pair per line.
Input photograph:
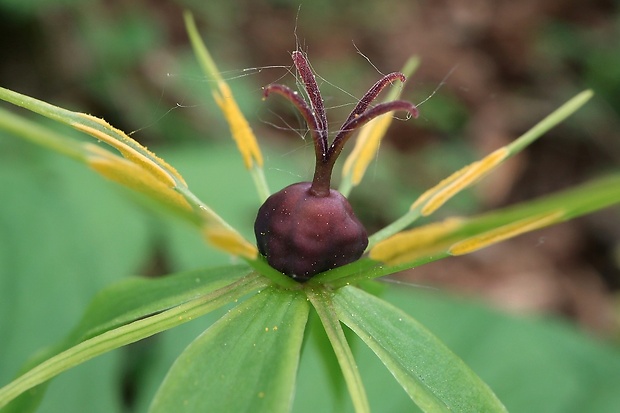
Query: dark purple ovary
x,y
308,228
301,234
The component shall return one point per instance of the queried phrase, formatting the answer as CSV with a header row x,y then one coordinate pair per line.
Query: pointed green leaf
x,y
137,298
125,332
324,307
434,377
246,362
533,363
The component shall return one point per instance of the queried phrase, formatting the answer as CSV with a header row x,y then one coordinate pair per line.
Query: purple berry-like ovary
x,y
307,228
303,235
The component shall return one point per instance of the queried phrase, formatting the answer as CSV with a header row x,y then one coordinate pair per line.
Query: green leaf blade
x,y
122,331
434,377
137,298
324,306
247,361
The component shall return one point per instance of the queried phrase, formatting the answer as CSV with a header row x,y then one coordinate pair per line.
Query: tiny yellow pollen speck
x,y
266,329
275,328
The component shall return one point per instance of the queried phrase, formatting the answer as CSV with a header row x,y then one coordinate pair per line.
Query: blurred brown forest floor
x,y
505,64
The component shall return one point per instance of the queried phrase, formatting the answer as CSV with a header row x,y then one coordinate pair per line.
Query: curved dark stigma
x,y
314,94
320,144
349,127
314,114
372,94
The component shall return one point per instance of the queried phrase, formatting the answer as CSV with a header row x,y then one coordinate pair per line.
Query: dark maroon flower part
x,y
308,228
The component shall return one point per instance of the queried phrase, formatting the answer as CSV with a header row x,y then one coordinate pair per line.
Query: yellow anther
x,y
230,241
435,197
504,232
409,245
366,147
130,149
239,127
133,176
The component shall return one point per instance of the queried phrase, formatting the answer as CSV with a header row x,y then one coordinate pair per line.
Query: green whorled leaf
x,y
47,270
246,362
324,307
136,298
533,363
124,314
317,338
434,377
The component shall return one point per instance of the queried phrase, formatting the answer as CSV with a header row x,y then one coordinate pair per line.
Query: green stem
x,y
31,131
396,226
262,267
557,116
262,188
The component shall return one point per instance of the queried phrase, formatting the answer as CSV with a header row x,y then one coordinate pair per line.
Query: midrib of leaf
x,y
435,378
246,362
324,307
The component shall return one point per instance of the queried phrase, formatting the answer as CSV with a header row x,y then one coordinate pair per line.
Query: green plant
x,y
247,361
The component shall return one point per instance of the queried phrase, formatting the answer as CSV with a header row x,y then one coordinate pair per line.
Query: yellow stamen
x,y
134,176
435,197
407,246
230,241
504,232
366,147
370,136
131,149
239,126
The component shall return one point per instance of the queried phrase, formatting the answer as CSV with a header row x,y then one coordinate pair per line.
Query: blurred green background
x,y
490,70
